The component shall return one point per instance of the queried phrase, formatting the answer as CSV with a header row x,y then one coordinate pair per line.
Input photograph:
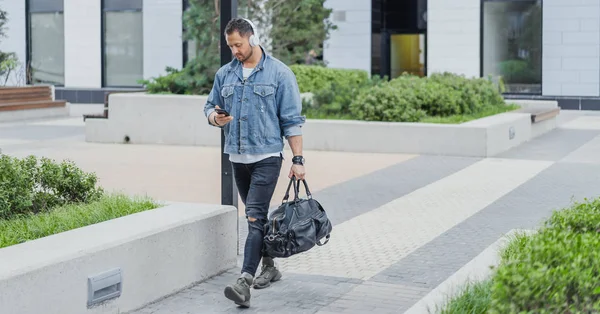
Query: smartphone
x,y
222,111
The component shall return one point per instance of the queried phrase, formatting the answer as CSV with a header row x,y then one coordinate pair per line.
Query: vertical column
x,y
571,48
163,43
349,46
453,37
83,51
228,188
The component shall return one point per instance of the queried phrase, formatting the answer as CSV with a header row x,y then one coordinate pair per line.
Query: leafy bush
x,y
385,103
441,95
191,80
475,94
557,274
335,97
174,82
581,217
30,185
314,78
554,270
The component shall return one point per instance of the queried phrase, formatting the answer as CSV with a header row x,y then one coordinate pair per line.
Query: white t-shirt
x,y
250,158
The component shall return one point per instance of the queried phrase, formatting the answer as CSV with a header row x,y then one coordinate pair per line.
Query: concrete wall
x,y
571,48
350,45
180,119
15,36
159,253
162,36
83,51
453,36
182,122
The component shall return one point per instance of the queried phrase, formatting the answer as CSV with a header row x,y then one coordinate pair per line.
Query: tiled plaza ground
x,y
402,224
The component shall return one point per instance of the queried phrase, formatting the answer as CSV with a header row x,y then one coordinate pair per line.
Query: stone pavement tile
x,y
432,263
39,132
362,194
522,208
368,244
294,293
551,146
346,200
589,122
588,153
377,298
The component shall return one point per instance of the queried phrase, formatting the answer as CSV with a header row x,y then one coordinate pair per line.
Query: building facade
x,y
542,49
546,49
85,48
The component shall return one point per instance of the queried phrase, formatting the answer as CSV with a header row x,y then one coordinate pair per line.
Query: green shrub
x,y
384,103
173,82
188,81
559,273
474,94
313,78
554,270
30,185
581,217
441,95
335,97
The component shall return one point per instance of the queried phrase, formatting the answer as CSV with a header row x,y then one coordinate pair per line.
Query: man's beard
x,y
248,57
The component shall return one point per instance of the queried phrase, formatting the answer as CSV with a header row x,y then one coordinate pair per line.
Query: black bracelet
x,y
298,160
215,120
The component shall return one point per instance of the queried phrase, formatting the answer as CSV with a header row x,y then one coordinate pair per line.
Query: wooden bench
x,y
28,97
540,110
541,114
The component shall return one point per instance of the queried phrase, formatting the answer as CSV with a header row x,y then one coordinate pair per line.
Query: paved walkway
x,y
400,228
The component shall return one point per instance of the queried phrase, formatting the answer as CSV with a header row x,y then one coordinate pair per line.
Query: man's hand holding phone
x,y
221,117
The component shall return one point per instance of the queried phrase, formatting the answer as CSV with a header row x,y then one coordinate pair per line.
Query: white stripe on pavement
x,y
369,243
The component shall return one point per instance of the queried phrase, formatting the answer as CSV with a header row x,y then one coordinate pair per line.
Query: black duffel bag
x,y
296,226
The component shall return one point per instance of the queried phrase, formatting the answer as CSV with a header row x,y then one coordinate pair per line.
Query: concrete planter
x,y
179,120
130,261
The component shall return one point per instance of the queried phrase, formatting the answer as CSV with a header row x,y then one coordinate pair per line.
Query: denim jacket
x,y
265,108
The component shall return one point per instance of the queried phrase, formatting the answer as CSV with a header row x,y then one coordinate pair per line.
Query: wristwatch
x,y
298,160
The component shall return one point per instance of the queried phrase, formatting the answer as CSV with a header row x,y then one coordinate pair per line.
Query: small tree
x,y
297,28
289,29
3,20
8,60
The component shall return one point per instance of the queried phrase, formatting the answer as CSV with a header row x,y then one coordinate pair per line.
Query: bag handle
x,y
287,192
297,188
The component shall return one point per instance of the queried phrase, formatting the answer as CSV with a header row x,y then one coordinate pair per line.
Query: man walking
x,y
261,102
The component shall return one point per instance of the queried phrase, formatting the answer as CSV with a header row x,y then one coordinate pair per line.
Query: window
x,y
512,44
123,50
46,42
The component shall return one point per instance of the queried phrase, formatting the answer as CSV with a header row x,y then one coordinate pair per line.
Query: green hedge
x,y
409,98
31,185
555,270
315,78
354,94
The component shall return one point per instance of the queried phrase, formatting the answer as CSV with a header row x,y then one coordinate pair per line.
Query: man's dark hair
x,y
240,25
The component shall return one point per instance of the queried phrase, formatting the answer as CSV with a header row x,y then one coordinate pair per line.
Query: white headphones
x,y
254,39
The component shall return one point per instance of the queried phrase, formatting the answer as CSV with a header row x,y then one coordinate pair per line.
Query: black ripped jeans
x,y
256,183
